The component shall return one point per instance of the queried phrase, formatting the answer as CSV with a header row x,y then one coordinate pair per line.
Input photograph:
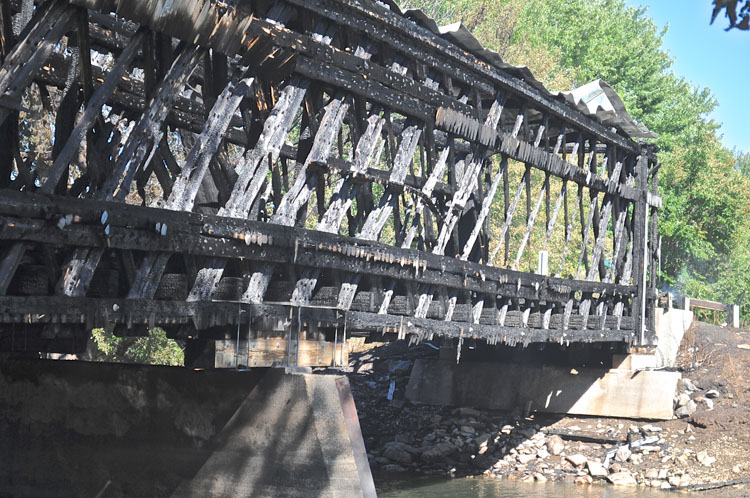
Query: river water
x,y
401,486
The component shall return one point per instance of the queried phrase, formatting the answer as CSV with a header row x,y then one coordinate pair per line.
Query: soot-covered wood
x,y
343,105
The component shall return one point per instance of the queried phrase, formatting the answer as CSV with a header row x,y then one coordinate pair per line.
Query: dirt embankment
x,y
708,443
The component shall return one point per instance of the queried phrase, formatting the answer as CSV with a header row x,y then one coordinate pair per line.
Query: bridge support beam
x,y
76,428
544,388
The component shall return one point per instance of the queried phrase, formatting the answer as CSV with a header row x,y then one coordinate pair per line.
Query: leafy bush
x,y
154,349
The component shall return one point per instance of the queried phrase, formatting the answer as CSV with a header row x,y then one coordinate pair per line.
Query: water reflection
x,y
400,486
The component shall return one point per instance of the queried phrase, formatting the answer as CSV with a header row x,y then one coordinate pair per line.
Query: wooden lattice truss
x,y
164,161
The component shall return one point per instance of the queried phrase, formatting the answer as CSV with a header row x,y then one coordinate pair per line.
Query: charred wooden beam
x,y
357,117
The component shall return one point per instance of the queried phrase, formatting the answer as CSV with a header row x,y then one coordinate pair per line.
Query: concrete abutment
x,y
76,428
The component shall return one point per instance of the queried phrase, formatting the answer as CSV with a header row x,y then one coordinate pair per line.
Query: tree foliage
x,y
736,11
743,163
154,349
495,24
704,225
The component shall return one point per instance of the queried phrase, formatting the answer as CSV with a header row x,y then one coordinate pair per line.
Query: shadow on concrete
x,y
547,378
77,429
577,380
449,419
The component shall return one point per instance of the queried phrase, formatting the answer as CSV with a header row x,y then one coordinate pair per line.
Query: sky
x,y
708,56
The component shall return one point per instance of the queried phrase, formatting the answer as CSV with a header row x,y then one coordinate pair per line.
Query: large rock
x,y
467,429
687,410
398,452
679,480
683,399
584,479
483,442
577,460
704,459
651,428
622,454
466,411
686,385
555,445
623,478
403,437
438,451
596,469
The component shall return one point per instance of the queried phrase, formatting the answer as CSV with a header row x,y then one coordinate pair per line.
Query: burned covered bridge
x,y
320,166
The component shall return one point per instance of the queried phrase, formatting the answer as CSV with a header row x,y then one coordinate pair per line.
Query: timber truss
x,y
213,163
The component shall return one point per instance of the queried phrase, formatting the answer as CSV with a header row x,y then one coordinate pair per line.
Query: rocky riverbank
x,y
706,443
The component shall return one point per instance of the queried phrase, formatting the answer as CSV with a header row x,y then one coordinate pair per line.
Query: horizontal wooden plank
x,y
707,305
425,328
99,312
102,312
235,238
274,352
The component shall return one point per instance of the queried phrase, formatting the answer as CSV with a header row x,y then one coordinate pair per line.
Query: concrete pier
x,y
77,429
544,388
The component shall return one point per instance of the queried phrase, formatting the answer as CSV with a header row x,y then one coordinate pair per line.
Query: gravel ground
x,y
707,444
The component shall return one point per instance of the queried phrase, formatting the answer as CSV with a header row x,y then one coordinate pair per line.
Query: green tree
x,y
154,349
494,23
743,163
703,224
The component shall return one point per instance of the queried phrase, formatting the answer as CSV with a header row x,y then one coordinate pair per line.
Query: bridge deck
x,y
331,162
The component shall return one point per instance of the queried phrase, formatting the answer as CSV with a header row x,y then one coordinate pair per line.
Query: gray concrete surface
x,y
74,429
288,438
671,326
544,388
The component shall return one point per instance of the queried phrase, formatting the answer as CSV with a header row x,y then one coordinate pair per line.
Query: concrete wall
x,y
76,428
671,326
545,388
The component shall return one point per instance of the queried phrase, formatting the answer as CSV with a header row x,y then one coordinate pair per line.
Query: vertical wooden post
x,y
640,247
653,250
734,316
